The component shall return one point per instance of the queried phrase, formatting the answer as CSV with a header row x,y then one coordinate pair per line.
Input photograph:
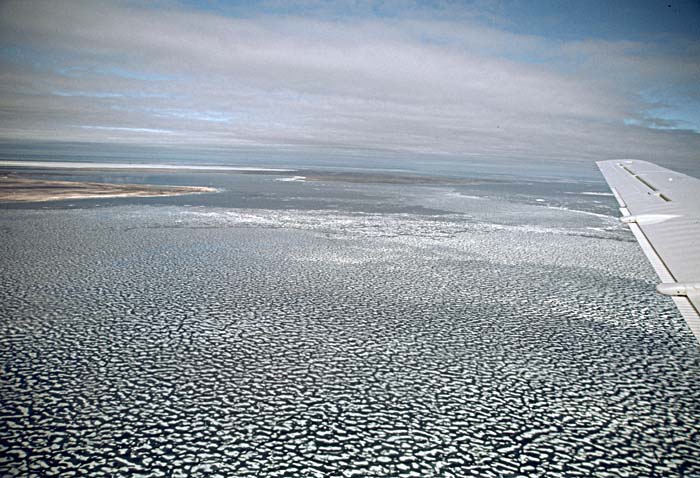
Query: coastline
x,y
16,189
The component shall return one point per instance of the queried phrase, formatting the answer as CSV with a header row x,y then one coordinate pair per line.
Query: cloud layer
x,y
417,84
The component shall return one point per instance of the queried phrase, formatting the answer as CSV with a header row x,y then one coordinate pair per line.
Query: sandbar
x,y
16,189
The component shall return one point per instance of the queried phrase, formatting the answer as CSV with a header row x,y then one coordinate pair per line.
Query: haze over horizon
x,y
566,81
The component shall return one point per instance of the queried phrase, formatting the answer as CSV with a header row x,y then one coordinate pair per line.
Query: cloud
x,y
131,130
415,84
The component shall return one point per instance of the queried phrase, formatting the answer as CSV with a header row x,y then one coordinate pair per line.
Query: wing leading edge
x,y
662,208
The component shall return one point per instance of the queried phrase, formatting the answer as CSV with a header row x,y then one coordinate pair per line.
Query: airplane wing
x,y
662,208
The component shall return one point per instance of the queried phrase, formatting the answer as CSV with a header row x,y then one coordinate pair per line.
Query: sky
x,y
579,80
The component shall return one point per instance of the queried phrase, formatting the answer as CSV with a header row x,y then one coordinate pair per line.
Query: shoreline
x,y
136,167
15,190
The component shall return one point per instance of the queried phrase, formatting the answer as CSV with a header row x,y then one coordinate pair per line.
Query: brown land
x,y
16,189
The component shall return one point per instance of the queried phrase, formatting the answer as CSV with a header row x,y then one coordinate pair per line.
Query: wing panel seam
x,y
657,262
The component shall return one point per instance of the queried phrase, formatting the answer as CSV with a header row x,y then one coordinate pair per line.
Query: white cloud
x,y
130,130
429,86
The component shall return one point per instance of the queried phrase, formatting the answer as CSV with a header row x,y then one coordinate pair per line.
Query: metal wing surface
x,y
662,208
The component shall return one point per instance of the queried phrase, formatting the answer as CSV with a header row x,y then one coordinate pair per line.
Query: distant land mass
x,y
18,189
